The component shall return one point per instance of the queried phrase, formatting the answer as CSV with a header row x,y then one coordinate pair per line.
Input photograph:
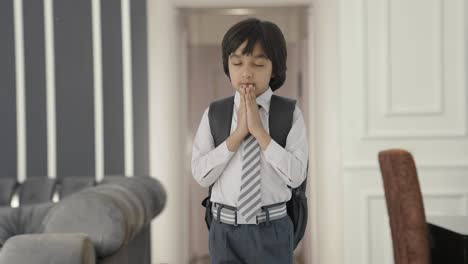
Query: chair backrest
x,y
405,207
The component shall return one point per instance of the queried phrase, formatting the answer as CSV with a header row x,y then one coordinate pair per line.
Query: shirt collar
x,y
264,99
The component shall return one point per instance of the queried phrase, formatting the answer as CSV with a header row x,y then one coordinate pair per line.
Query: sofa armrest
x,y
111,214
48,249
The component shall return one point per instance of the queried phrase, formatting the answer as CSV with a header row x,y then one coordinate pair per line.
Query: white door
x,y
403,85
207,82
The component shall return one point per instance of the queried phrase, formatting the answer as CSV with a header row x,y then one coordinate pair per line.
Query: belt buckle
x,y
235,218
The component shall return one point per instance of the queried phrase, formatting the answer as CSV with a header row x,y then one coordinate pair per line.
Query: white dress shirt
x,y
280,166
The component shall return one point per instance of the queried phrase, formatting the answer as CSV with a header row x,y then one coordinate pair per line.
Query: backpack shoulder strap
x,y
280,123
220,116
280,118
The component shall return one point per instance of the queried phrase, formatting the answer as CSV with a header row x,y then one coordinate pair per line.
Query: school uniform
x,y
268,236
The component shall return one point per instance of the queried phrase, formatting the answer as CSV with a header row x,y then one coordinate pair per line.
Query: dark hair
x,y
271,39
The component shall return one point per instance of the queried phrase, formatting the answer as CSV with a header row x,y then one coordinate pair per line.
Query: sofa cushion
x,y
7,224
36,190
7,187
22,220
73,184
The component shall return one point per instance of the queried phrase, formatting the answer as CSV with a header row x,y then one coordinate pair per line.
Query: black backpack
x,y
280,122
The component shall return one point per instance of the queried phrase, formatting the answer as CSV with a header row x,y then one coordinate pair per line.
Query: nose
x,y
246,73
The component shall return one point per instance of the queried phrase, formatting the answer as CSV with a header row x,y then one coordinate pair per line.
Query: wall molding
x,y
372,134
369,165
369,133
435,109
369,196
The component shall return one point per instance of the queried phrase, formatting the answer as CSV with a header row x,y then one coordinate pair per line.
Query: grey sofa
x,y
104,223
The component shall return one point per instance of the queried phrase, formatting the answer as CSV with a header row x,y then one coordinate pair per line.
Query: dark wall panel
x,y
8,153
35,88
112,87
74,87
140,87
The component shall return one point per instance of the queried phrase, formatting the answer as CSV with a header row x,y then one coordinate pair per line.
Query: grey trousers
x,y
252,244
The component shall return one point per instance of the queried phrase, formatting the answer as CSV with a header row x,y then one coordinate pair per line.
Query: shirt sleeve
x,y
208,162
291,162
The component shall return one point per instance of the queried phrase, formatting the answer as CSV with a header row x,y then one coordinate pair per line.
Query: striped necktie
x,y
250,193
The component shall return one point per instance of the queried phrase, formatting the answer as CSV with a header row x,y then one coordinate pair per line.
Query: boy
x,y
249,171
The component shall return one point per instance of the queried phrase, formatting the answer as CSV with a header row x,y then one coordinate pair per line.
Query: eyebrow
x,y
259,56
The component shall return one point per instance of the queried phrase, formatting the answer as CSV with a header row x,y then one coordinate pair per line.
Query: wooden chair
x,y
405,207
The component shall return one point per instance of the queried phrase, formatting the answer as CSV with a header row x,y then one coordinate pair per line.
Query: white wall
x,y
167,109
403,83
383,74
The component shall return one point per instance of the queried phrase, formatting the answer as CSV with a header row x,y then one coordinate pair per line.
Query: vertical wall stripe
x,y
112,87
8,135
35,88
74,88
98,102
50,88
127,86
20,95
140,87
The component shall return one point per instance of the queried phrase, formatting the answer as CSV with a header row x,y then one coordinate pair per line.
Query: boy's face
x,y
253,69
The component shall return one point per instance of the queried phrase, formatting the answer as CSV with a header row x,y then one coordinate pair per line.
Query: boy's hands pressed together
x,y
233,142
248,121
253,119
242,127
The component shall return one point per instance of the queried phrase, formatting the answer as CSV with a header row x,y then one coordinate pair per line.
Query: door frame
x,y
167,90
